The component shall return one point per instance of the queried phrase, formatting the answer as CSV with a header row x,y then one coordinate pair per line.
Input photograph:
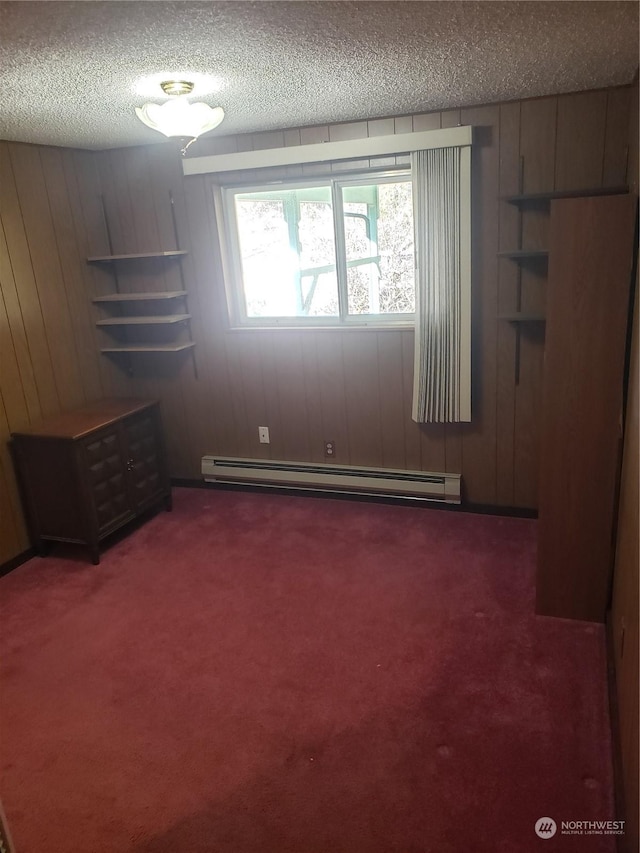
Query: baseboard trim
x,y
616,741
479,509
16,561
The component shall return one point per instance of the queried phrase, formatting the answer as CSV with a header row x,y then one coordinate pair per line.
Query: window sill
x,y
364,327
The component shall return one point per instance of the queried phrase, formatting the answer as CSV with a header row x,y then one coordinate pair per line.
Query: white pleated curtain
x,y
441,213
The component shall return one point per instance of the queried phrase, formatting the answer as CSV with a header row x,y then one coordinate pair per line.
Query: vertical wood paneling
x,y
331,387
360,354
581,132
268,139
48,354
412,442
616,144
426,121
508,272
15,403
633,160
15,337
319,133
350,387
247,362
206,301
235,400
403,124
313,399
350,130
118,203
624,618
292,420
380,127
270,352
538,144
87,225
624,610
27,304
120,219
432,447
74,273
13,535
450,118
538,153
393,453
49,279
479,451
197,415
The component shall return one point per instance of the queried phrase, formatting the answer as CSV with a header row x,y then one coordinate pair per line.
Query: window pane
x,y
287,250
378,228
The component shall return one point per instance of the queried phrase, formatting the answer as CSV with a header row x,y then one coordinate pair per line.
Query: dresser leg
x,y
42,547
168,503
94,550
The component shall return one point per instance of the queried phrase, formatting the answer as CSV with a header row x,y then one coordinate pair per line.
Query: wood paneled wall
x,y
49,358
624,619
352,387
624,616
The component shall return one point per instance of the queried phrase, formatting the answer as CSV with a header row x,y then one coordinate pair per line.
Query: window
x,y
329,252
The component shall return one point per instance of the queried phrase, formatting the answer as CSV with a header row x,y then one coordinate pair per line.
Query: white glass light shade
x,y
178,117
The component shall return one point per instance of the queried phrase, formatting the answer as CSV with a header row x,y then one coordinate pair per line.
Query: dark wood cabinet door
x,y
105,472
144,458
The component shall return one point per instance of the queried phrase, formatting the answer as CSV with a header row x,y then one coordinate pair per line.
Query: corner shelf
x,y
537,198
126,324
537,258
149,320
521,317
150,348
107,259
526,255
141,297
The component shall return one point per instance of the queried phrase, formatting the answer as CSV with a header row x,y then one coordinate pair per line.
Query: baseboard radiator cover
x,y
345,479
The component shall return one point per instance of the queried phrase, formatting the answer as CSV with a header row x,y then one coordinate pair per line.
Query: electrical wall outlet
x,y
263,435
330,449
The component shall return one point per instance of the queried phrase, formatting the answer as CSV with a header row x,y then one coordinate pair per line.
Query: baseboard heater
x,y
422,485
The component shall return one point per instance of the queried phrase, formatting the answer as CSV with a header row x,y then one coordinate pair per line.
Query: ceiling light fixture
x,y
177,117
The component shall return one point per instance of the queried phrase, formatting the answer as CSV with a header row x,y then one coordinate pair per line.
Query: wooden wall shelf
x,y
525,255
141,333
521,317
150,320
538,198
107,259
130,348
141,297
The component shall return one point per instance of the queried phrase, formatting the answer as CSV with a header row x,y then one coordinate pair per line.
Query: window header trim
x,y
400,143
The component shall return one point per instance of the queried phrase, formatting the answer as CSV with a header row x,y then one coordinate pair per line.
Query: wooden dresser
x,y
85,473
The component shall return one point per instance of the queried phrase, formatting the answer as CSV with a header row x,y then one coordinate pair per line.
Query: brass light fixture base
x,y
176,87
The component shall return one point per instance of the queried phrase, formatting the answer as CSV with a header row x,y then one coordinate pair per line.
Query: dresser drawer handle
x,y
130,464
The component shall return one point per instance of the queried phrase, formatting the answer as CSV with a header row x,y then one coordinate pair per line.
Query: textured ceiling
x,y
70,69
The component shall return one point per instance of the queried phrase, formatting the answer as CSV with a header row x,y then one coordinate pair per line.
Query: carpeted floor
x,y
258,673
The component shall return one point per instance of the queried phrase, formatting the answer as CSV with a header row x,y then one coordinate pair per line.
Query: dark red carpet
x,y
259,673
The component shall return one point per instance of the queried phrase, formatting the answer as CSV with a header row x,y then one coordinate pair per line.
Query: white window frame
x,y
232,261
